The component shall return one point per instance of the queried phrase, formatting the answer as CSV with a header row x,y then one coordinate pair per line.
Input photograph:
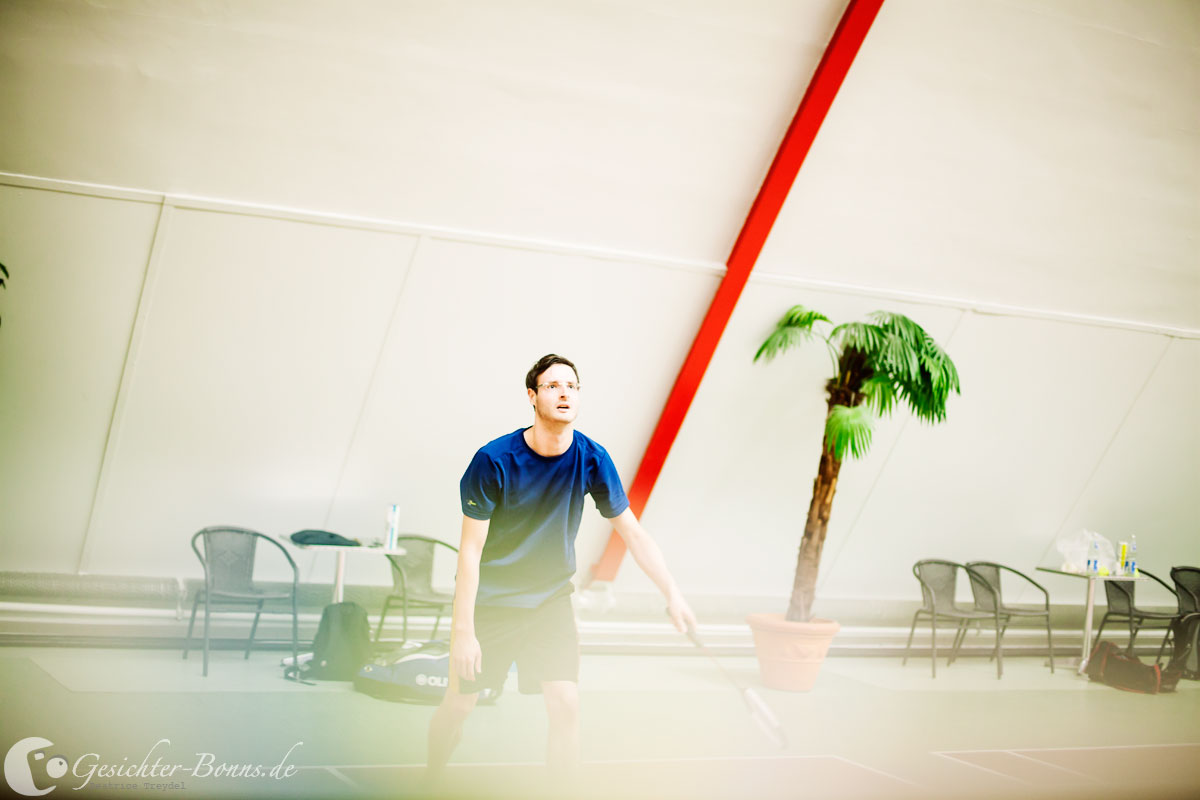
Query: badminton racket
x,y
760,712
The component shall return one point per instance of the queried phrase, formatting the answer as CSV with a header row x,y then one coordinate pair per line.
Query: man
x,y
522,501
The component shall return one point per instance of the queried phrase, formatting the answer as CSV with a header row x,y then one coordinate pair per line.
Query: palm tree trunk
x,y
815,528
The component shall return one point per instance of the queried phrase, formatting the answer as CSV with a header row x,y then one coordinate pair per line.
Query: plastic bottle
x,y
1133,555
393,527
1093,564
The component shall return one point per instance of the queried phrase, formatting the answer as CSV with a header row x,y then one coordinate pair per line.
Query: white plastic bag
x,y
1076,549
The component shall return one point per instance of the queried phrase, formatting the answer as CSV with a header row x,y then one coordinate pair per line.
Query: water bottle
x,y
1133,555
1093,564
393,527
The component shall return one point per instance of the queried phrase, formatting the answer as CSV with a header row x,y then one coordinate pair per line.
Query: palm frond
x,y
860,336
898,358
880,391
794,328
848,431
900,325
921,373
934,358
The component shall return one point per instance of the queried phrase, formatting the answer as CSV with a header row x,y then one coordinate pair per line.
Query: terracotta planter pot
x,y
790,653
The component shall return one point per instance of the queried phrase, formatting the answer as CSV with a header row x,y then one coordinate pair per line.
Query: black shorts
x,y
543,641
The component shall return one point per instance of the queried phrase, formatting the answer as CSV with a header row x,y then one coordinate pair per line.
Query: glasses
x,y
557,388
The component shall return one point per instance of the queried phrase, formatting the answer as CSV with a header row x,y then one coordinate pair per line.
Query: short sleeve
x,y
605,487
479,489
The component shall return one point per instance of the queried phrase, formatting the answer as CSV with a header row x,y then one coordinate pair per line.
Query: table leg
x,y
1087,623
339,577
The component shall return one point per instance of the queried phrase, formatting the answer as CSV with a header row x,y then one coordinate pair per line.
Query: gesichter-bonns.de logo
x,y
31,770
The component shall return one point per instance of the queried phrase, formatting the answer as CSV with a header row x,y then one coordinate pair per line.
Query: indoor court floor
x,y
652,726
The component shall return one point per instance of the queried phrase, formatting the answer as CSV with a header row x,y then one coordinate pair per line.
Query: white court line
x,y
948,754
877,771
335,773
949,757
587,763
1089,747
1045,763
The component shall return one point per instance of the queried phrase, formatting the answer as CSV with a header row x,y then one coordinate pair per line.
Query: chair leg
x,y
1003,631
436,621
999,651
187,644
404,628
1133,632
387,604
911,631
295,633
933,643
207,615
1103,622
253,629
1050,643
1168,636
960,636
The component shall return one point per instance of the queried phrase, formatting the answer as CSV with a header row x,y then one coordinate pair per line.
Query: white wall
x,y
345,239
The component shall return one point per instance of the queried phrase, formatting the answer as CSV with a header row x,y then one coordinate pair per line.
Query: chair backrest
x,y
985,584
228,557
1119,595
417,563
938,581
1187,588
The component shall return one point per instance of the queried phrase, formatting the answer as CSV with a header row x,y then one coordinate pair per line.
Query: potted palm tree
x,y
877,364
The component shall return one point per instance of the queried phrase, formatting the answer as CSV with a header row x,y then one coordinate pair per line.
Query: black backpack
x,y
341,646
412,675
1185,658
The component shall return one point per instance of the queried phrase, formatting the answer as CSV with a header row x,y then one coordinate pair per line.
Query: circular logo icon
x,y
27,755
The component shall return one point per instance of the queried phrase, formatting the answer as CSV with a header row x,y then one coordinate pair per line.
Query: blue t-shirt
x,y
535,503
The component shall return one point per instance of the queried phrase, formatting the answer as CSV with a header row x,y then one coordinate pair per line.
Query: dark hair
x,y
544,363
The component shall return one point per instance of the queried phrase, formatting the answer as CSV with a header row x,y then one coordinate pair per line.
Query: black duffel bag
x,y
412,675
1111,665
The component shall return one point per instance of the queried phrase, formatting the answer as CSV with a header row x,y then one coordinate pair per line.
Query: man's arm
x,y
465,655
650,558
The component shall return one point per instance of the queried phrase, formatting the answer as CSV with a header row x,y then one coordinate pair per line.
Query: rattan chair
x,y
990,572
1187,594
412,580
1121,608
1187,588
228,561
939,581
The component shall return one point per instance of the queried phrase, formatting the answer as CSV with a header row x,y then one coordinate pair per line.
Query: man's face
x,y
555,400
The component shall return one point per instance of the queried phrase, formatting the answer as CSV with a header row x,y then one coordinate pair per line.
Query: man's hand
x,y
680,613
466,658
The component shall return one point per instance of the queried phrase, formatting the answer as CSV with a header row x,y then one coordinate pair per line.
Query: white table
x,y
1091,604
339,576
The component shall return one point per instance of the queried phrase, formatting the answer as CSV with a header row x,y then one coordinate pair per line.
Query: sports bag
x,y
412,675
1111,665
341,646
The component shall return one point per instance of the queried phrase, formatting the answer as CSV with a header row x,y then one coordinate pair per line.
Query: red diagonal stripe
x,y
826,80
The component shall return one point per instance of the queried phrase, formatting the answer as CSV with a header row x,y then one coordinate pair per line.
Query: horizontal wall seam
x,y
978,306
80,188
545,246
